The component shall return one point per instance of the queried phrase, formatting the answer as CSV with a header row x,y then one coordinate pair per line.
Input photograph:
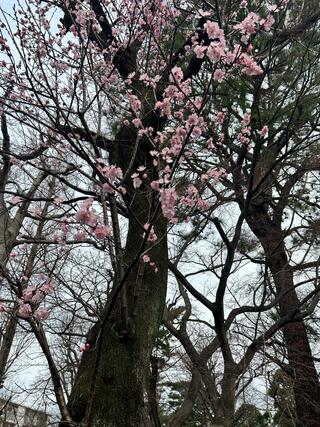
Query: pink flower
x,y
102,231
214,174
80,236
246,119
154,267
86,215
47,287
215,51
264,131
193,120
164,107
249,24
146,258
84,347
57,201
2,307
219,75
137,122
41,314
16,200
155,185
177,73
168,198
200,51
251,67
25,310
268,22
214,31
111,173
136,180
220,117
13,254
28,293
152,237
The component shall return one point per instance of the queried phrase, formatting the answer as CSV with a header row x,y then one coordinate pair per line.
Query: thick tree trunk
x,y
121,383
227,401
306,382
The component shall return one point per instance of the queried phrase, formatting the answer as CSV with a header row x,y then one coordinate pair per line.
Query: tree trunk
x,y
228,396
6,344
121,383
185,410
306,383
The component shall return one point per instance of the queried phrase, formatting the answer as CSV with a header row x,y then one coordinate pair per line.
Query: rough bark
x,y
306,383
120,384
117,397
152,392
6,344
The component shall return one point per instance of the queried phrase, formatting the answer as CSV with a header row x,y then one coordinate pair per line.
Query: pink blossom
x,y
200,51
214,174
155,185
135,104
203,204
2,307
192,190
215,52
164,107
219,75
214,31
86,215
193,120
154,267
16,200
168,198
177,73
246,119
111,173
137,122
28,293
84,347
187,201
57,201
268,22
41,314
13,254
136,180
220,117
152,237
102,231
197,131
251,67
146,258
264,131
47,287
249,24
80,236
25,310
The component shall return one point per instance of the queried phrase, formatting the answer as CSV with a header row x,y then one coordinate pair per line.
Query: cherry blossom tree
x,y
123,105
